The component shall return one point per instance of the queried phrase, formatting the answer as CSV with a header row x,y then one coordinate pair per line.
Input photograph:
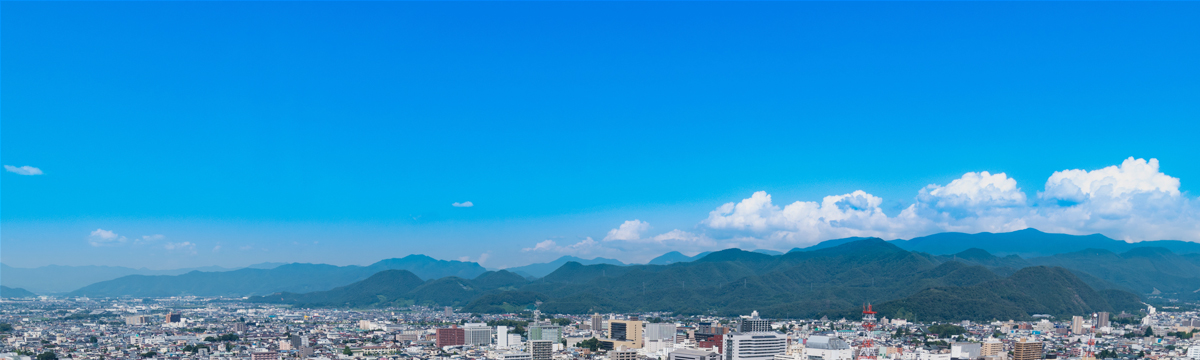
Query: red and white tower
x,y
866,349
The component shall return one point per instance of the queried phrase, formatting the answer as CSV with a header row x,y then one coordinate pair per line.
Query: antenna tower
x,y
866,349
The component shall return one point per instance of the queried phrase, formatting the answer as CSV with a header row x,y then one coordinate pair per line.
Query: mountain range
x,y
830,281
541,269
1101,262
290,278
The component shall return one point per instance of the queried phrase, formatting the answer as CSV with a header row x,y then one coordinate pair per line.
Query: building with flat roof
x,y
754,346
541,350
753,323
1027,350
626,333
454,336
692,354
477,334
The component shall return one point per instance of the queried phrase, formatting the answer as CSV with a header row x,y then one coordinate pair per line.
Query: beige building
x,y
991,347
1027,350
626,333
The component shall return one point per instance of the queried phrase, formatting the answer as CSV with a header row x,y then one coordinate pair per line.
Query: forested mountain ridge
x,y
830,281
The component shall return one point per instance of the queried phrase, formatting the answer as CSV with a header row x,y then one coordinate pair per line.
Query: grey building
x,y
691,354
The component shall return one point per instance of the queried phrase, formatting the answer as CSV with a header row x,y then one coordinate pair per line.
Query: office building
x,y
627,333
172,318
1102,319
711,341
477,334
965,350
690,354
544,331
753,323
1027,350
1076,324
454,336
827,348
541,350
755,346
661,331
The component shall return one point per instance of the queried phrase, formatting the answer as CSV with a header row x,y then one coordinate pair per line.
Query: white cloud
x,y
585,246
185,246
973,193
150,238
1133,201
216,248
101,237
630,230
462,204
24,170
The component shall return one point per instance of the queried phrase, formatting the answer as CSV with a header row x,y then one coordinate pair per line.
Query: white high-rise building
x,y
754,346
477,334
660,331
502,337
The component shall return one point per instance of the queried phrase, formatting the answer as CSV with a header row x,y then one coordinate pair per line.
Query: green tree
x,y
1149,332
347,351
49,355
592,344
5,327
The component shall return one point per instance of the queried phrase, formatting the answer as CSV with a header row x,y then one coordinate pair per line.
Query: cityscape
x,y
599,180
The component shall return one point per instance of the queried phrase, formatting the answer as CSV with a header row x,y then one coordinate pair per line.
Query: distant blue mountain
x,y
676,257
1030,243
542,269
828,244
294,278
768,252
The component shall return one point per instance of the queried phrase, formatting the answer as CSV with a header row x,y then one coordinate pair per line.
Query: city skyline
x,y
175,135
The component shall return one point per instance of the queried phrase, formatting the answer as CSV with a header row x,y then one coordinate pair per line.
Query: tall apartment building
x,y
754,346
172,318
661,331
1076,324
541,349
597,323
502,337
991,347
1027,350
753,323
263,354
477,334
1102,319
626,333
453,336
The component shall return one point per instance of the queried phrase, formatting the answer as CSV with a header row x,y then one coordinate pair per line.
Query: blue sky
x,y
190,134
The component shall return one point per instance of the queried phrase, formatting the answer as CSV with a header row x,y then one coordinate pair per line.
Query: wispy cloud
x,y
101,237
186,247
463,204
24,170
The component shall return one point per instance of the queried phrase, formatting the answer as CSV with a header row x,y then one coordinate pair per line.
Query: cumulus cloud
x,y
24,170
101,237
1132,201
463,204
630,230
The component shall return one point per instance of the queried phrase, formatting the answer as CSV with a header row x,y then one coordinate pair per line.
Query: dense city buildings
x,y
226,329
